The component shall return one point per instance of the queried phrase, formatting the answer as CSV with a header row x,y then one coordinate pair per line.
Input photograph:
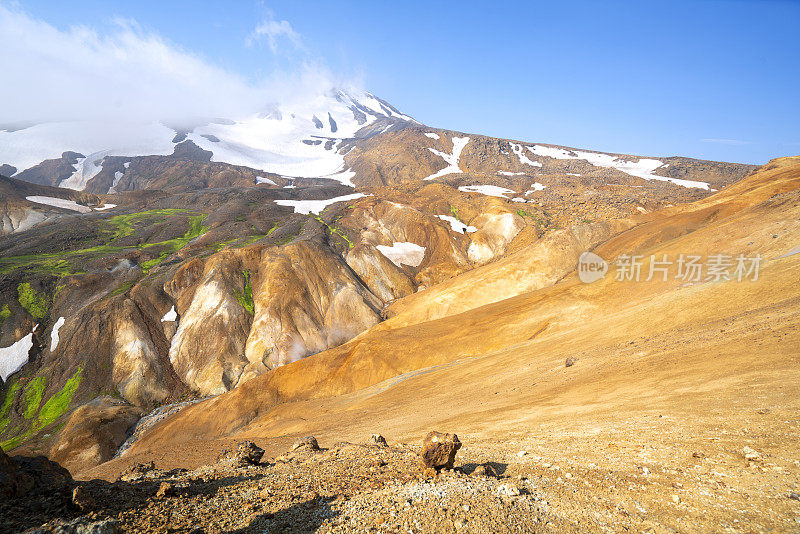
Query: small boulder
x,y
83,499
570,361
439,450
247,453
750,455
484,470
137,472
794,496
376,440
166,489
308,443
509,489
81,525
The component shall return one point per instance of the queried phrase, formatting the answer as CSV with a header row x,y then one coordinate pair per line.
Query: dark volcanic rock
x,y
12,482
246,453
439,450
21,475
190,151
376,440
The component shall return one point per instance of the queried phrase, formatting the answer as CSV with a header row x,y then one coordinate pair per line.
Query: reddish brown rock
x,y
439,450
308,443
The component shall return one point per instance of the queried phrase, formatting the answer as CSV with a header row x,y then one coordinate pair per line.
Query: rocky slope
x,y
423,257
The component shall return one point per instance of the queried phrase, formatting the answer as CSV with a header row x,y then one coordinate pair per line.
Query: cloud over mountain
x,y
121,71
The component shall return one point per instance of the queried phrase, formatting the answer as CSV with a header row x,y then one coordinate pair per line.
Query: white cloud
x,y
274,31
731,142
121,72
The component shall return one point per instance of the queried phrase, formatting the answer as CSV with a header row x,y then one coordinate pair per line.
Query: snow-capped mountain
x,y
299,141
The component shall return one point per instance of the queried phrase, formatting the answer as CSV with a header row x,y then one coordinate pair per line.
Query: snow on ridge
x,y
488,190
642,168
519,151
403,253
270,143
28,147
117,177
456,225
551,152
86,169
59,203
54,334
451,159
507,173
432,135
13,357
262,180
307,207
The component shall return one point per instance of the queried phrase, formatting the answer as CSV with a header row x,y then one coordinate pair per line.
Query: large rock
x,y
246,453
12,482
21,475
308,443
439,450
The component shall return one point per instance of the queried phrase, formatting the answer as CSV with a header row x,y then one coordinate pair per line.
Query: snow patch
x,y
432,135
117,177
489,190
105,207
54,334
518,199
507,173
520,152
316,206
86,169
171,315
534,188
12,358
452,159
457,226
262,180
403,253
642,168
60,203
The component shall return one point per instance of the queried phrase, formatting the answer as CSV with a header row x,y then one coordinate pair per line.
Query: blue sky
x,y
708,79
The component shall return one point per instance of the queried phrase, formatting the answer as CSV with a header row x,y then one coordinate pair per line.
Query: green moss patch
x,y
5,313
122,225
245,297
33,396
66,263
196,229
58,404
5,409
35,303
334,230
